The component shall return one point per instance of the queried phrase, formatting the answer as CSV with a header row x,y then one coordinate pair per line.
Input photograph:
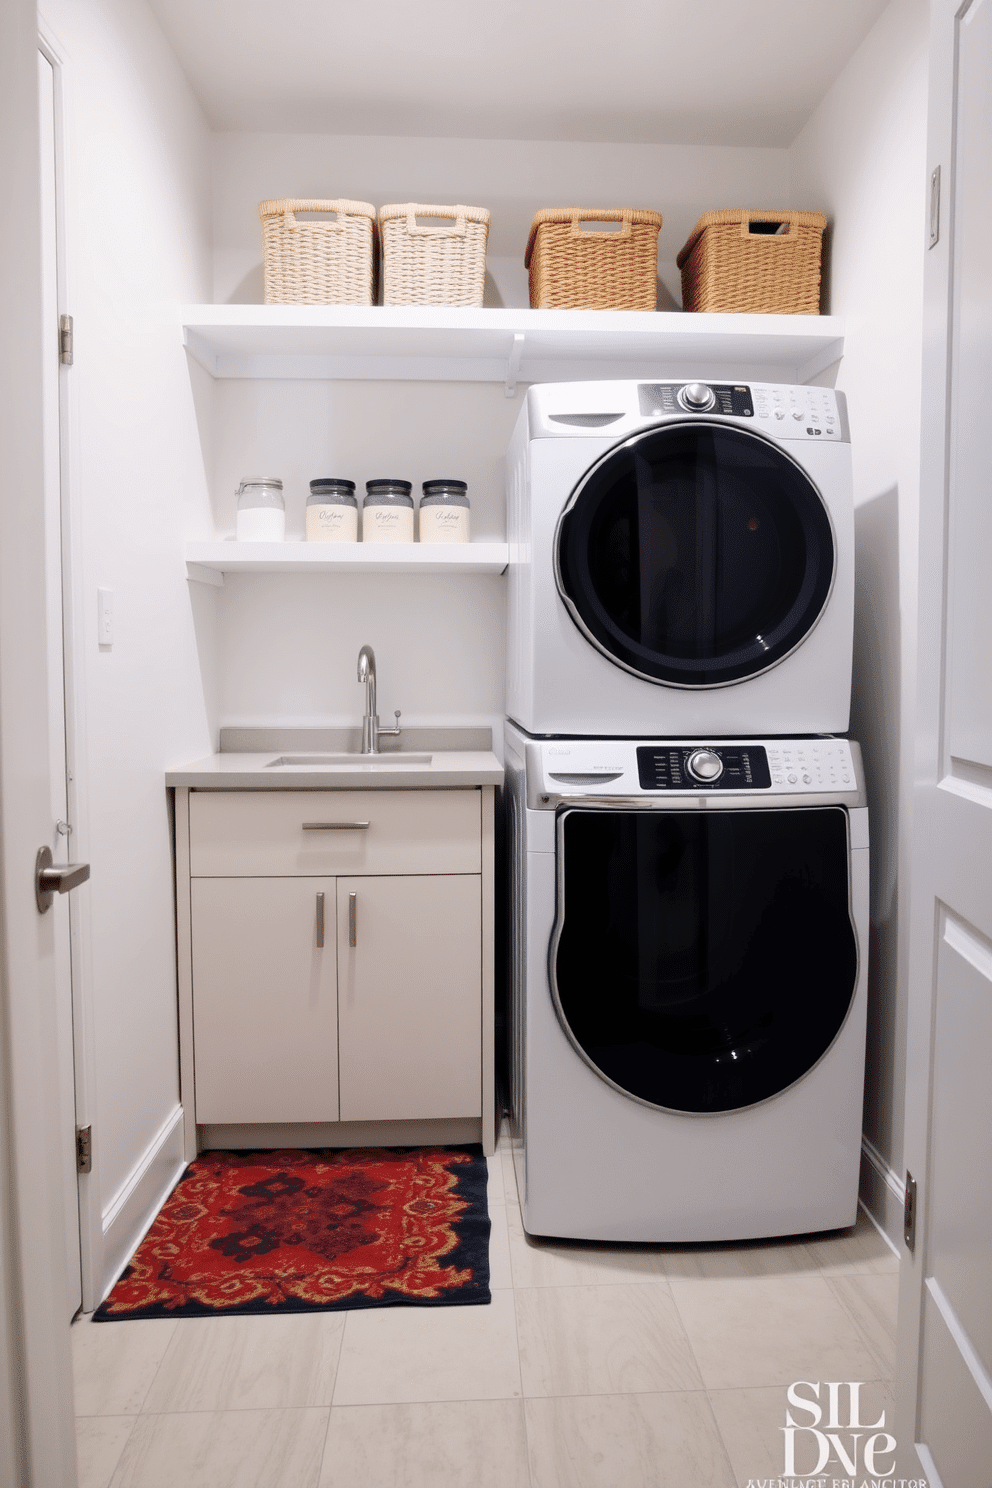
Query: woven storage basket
x,y
319,263
444,265
572,268
729,266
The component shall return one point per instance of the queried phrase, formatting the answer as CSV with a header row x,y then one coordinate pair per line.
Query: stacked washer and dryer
x,y
687,827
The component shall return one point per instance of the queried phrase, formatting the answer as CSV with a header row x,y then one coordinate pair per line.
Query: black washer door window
x,y
695,555
706,960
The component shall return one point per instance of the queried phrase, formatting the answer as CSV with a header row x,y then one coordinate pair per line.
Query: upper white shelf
x,y
209,561
444,344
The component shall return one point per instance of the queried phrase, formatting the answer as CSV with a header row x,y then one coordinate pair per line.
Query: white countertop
x,y
244,771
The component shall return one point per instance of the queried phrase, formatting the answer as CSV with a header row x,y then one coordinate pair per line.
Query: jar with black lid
x,y
444,511
387,511
332,511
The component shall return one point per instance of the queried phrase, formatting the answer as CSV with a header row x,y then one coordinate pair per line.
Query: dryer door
x,y
695,555
703,960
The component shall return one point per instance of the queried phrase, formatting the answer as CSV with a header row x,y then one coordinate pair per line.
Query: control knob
x,y
697,397
704,765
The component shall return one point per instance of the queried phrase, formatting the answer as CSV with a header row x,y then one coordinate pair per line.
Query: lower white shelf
x,y
207,562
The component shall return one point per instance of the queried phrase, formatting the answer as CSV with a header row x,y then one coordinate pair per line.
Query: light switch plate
x,y
105,616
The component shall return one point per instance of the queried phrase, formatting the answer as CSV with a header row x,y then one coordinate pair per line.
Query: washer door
x,y
695,555
704,960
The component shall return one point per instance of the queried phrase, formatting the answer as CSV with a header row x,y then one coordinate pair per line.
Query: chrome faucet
x,y
371,732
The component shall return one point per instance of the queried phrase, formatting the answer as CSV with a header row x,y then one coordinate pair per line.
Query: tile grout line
x,y
516,1335
859,1329
330,1405
130,1431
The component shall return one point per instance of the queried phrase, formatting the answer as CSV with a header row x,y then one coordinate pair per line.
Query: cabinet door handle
x,y
320,922
353,919
336,826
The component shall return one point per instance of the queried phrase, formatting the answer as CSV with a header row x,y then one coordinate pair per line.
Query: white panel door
x,y
37,1439
61,835
410,996
945,1386
264,999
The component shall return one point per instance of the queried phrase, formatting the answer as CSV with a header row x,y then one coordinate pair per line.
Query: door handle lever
x,y
50,880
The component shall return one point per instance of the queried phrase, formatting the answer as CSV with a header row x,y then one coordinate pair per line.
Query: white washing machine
x,y
689,970
681,560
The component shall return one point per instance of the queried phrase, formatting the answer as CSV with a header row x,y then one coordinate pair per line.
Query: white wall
x,y
137,244
862,159
287,649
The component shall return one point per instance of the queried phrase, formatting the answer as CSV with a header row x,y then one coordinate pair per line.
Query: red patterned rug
x,y
298,1231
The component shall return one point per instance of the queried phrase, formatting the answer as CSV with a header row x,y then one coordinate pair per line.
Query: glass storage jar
x,y
261,510
444,512
332,511
387,511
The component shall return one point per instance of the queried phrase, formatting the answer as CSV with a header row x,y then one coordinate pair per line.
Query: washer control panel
x,y
702,767
689,767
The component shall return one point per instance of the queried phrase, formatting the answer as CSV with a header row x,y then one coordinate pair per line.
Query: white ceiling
x,y
721,72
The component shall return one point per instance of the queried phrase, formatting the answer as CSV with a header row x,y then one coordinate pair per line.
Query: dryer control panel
x,y
702,767
787,412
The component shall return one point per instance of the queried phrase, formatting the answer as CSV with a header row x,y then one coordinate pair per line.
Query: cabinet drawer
x,y
249,834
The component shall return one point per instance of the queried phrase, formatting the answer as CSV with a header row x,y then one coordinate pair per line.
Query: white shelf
x,y
207,562
442,344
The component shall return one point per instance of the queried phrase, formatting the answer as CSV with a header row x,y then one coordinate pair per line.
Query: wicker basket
x,y
574,269
330,262
433,265
732,264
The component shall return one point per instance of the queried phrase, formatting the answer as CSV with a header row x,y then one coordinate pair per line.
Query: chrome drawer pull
x,y
353,919
320,922
336,826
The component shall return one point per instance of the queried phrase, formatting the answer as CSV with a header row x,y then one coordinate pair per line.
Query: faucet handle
x,y
396,729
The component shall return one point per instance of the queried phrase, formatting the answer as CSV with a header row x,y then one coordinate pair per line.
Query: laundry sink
x,y
392,761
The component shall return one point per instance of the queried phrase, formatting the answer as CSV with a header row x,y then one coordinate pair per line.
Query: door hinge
x,y
909,1212
84,1149
934,207
65,340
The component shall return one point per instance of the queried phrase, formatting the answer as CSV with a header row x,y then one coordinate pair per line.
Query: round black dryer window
x,y
695,555
703,961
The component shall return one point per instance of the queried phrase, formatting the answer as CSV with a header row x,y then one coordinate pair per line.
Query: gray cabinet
x,y
336,962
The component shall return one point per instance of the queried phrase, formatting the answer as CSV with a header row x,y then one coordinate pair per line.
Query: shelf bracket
x,y
513,365
199,573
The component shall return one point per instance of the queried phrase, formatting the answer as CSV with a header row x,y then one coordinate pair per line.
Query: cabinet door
x,y
264,1000
409,996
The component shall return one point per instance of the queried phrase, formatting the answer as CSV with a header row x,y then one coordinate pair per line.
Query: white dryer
x,y
689,974
681,560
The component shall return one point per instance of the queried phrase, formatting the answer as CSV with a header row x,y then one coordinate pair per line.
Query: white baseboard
x,y
882,1193
130,1211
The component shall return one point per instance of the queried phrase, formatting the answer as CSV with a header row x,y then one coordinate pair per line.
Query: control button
x,y
704,765
792,779
697,397
780,413
797,413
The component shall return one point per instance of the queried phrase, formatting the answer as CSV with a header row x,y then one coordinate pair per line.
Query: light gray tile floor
x,y
594,1367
